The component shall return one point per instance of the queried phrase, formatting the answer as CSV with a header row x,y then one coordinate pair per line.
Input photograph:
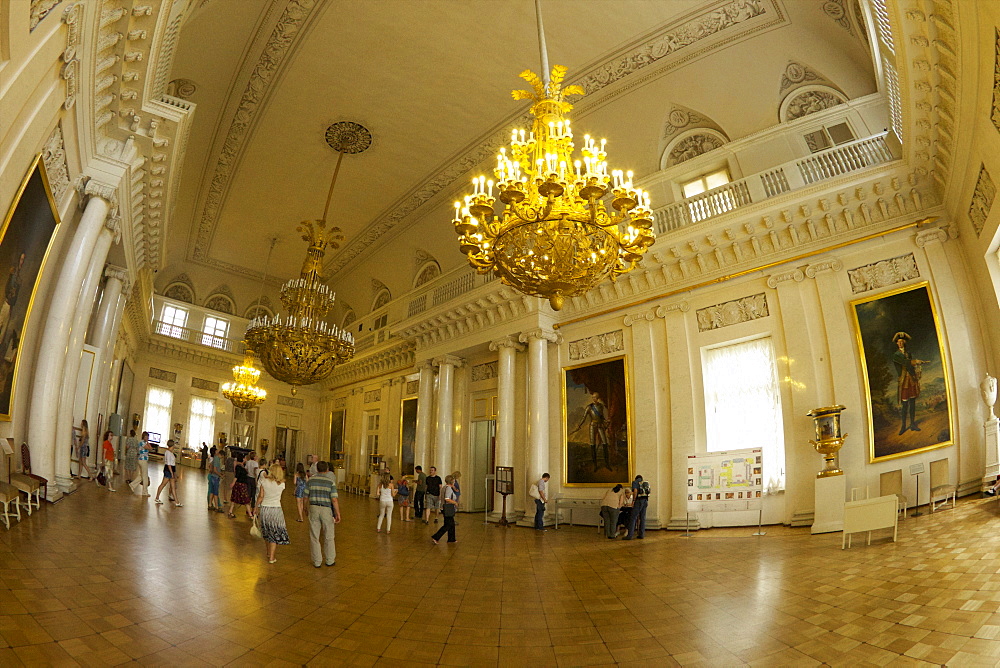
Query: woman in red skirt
x,y
241,491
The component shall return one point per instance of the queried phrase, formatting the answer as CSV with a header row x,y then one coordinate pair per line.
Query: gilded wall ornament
x,y
883,273
995,116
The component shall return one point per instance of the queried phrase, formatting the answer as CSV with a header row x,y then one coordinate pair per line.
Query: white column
x,y
507,349
45,435
446,412
681,421
103,336
538,407
74,350
425,401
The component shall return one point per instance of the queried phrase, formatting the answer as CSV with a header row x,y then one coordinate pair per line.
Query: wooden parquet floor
x,y
107,579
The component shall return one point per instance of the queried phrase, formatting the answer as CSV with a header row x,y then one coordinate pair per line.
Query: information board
x,y
721,481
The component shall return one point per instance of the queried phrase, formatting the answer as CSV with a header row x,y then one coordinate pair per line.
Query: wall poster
x,y
729,480
25,239
596,425
905,377
408,436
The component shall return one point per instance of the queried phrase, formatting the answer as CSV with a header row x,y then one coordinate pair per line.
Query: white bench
x,y
868,515
563,503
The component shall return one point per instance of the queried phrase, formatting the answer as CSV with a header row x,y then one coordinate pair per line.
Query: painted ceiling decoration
x,y
837,10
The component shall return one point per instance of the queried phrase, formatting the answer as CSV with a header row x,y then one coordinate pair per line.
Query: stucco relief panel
x,y
592,346
752,307
486,371
982,200
883,273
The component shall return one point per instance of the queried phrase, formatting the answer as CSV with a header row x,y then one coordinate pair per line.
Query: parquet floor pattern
x,y
108,579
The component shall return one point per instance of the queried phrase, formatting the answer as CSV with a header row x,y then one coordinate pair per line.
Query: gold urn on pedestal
x,y
828,438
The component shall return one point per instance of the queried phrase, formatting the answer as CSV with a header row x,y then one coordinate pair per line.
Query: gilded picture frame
x,y
25,241
905,373
597,424
407,436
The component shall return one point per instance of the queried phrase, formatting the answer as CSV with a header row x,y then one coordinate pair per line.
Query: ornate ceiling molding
x,y
714,27
288,27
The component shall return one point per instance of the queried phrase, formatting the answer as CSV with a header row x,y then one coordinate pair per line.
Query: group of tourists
x,y
431,495
624,510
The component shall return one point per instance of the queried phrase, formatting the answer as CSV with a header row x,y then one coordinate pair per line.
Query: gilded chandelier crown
x,y
244,393
554,235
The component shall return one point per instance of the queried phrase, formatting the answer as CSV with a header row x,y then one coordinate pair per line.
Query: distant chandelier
x,y
244,393
301,348
554,236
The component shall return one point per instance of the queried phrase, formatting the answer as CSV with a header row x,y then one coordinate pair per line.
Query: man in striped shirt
x,y
324,512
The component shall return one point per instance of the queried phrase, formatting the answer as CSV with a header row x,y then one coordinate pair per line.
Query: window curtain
x,y
743,404
202,423
157,419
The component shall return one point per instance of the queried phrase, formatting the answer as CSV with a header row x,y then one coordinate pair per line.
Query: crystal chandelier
x,y
554,236
244,393
301,348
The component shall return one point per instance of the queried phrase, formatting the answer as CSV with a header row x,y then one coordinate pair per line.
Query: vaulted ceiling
x,y
431,79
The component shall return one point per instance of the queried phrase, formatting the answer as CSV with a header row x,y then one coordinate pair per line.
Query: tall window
x,y
371,433
705,182
172,321
743,404
202,422
214,332
157,417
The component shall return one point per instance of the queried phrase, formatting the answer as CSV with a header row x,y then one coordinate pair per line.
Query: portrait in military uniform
x,y
909,405
25,238
596,423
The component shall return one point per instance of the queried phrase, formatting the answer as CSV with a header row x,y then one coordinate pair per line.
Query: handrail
x,y
189,335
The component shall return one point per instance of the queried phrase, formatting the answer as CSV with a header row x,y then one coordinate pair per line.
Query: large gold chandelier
x,y
301,348
554,236
244,393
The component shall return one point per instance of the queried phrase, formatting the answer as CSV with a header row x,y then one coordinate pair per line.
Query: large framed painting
x,y
408,436
337,435
905,373
596,424
25,240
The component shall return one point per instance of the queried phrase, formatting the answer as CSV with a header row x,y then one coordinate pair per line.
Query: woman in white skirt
x,y
269,513
386,490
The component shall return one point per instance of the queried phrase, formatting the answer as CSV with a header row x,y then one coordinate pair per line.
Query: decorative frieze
x,y
995,116
293,402
883,273
982,200
373,396
732,312
592,346
412,387
39,10
203,384
56,168
486,371
162,374
340,403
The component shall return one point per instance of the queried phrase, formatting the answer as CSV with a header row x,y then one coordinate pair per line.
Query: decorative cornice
x,y
509,341
391,359
791,275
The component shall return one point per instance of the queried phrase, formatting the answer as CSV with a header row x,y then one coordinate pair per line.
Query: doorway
x,y
482,442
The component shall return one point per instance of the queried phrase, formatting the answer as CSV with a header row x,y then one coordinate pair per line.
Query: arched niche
x,y
809,100
691,144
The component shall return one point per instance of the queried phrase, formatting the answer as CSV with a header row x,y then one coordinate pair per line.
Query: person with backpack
x,y
641,491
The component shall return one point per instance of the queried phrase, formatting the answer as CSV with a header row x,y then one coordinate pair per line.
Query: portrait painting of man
x,y
596,423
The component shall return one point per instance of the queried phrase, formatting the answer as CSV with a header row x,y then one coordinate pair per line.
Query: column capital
x,y
932,235
791,275
89,187
540,334
509,341
647,315
830,265
426,365
450,360
677,307
116,272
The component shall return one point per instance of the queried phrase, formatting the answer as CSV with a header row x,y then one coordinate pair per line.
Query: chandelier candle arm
x,y
564,224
